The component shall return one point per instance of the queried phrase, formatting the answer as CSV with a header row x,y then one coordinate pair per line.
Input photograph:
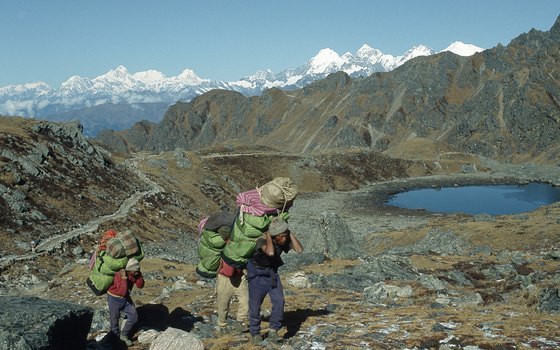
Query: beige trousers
x,y
226,288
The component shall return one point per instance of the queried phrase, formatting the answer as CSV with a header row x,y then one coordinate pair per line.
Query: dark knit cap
x,y
277,226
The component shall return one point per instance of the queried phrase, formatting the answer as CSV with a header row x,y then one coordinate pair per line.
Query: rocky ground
x,y
390,279
372,277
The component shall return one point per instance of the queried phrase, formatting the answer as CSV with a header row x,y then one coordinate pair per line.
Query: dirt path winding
x,y
53,242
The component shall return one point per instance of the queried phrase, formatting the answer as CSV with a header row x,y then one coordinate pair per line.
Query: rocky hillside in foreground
x,y
371,277
60,190
501,103
53,179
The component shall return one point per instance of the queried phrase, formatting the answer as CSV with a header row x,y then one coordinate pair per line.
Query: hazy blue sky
x,y
51,40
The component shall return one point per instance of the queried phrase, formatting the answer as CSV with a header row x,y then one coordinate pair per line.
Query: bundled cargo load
x,y
214,233
124,244
112,255
278,193
257,208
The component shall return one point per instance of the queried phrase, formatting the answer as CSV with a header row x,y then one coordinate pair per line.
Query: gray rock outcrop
x,y
333,238
550,300
173,338
34,323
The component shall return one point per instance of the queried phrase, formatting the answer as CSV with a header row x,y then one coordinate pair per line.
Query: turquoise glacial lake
x,y
484,199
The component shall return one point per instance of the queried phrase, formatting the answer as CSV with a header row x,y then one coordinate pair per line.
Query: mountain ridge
x,y
118,86
499,103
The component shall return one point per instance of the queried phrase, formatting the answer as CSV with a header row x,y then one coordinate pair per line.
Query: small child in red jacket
x,y
118,297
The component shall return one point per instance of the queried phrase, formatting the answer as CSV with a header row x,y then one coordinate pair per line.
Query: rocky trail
x,y
371,277
92,226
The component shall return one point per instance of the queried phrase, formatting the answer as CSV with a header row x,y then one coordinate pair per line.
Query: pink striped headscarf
x,y
250,202
201,224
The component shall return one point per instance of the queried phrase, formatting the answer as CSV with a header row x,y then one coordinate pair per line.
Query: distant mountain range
x,y
501,103
118,98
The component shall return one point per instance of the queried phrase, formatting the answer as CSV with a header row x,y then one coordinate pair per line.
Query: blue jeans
x,y
116,305
263,282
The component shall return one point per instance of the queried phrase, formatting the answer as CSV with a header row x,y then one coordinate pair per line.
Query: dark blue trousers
x,y
116,305
261,283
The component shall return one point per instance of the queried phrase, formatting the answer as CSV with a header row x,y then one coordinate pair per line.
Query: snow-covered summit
x,y
462,49
417,51
368,52
119,85
188,76
149,77
38,87
325,60
75,85
118,74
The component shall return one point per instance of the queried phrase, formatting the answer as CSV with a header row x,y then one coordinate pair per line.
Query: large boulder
x,y
173,338
34,323
549,300
333,238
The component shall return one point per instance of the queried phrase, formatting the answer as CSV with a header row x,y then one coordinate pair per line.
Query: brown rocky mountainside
x,y
501,103
372,276
377,277
53,179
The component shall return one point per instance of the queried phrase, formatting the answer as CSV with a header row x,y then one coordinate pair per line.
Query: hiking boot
x,y
239,327
273,336
125,339
256,339
220,330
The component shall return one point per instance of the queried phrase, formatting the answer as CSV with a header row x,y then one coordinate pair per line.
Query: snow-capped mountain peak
x,y
116,74
118,85
75,85
462,49
418,51
149,77
325,59
188,76
414,52
37,88
260,76
367,51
